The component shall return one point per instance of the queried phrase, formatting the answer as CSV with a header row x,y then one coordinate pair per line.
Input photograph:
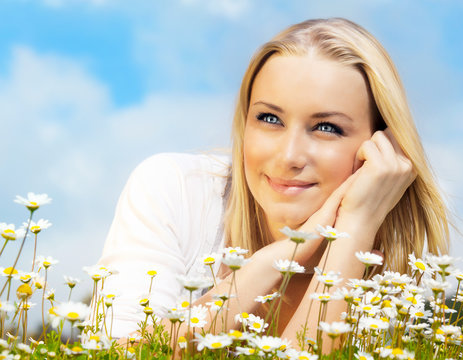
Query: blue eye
x,y
328,128
268,118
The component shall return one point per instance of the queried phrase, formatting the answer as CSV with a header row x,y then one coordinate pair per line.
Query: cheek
x,y
336,165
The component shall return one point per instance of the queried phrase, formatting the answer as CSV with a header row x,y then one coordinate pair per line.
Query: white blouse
x,y
169,214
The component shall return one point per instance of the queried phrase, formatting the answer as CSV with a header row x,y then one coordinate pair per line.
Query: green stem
x,y
229,297
35,249
20,249
1,252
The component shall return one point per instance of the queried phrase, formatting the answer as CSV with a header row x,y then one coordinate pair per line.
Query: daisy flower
x,y
194,283
334,329
374,324
234,261
265,343
198,316
215,305
330,233
267,298
212,342
418,264
70,281
234,250
72,311
368,258
9,232
97,272
36,227
6,307
24,348
436,286
361,355
26,277
238,335
256,323
329,279
293,354
175,315
325,297
440,262
247,351
9,272
299,236
286,266
45,262
211,259
33,201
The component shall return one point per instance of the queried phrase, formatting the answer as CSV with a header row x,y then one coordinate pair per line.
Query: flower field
x,y
388,316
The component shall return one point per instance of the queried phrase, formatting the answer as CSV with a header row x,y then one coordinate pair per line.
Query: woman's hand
x,y
383,175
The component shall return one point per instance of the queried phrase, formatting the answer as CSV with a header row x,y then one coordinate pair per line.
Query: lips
x,y
288,187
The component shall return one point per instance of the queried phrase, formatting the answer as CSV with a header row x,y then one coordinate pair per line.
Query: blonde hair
x,y
419,216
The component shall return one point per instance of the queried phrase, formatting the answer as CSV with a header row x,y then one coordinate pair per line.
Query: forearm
x,y
338,257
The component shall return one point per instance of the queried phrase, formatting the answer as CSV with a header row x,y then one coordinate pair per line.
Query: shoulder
x,y
173,165
174,170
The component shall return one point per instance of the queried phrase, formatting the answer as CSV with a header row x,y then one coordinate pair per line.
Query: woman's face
x,y
307,118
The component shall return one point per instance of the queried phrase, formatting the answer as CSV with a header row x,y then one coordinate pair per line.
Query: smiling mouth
x,y
288,187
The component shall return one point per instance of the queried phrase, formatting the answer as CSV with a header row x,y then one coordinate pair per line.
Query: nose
x,y
293,149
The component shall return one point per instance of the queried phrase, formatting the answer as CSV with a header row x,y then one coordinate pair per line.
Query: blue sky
x,y
89,88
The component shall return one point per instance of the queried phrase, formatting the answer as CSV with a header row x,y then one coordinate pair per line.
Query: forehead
x,y
311,83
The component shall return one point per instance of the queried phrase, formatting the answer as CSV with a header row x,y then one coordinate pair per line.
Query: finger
x,y
367,151
385,146
333,202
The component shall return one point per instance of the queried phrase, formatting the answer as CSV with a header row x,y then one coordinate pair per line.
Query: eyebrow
x,y
271,106
318,115
327,114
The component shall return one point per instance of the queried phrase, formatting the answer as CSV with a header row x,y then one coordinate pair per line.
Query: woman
x,y
322,134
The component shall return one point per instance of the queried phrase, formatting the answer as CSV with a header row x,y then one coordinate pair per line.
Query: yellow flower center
x,y
182,339
52,311
152,273
185,304
236,333
216,345
244,315
76,349
46,263
332,233
232,251
110,296
366,308
10,271
420,265
195,320
35,228
72,315
94,337
303,357
362,357
251,351
256,325
397,351
374,326
375,299
218,302
209,260
419,313
24,291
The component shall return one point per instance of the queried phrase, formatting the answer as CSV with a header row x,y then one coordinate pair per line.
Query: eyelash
x,y
334,128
